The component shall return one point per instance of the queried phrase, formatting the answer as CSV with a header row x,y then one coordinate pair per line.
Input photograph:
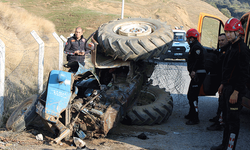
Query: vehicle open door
x,y
245,19
210,27
245,23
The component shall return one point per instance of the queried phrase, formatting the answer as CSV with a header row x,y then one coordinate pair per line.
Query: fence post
x,y
122,13
2,78
60,50
63,38
40,61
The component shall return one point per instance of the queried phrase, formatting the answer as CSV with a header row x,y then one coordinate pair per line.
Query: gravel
x,y
176,134
173,134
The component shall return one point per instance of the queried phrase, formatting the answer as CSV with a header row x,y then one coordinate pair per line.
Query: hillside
x,y
231,8
66,15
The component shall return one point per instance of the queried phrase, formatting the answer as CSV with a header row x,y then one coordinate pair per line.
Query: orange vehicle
x,y
209,27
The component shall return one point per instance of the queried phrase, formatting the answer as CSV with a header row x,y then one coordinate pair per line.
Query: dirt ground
x,y
27,139
173,134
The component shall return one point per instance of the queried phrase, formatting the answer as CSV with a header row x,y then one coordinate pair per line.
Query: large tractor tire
x,y
154,106
134,38
23,115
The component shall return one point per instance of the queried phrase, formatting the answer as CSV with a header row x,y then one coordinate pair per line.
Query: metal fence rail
x,y
21,80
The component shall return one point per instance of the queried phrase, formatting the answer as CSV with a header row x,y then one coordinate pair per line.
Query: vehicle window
x,y
209,33
179,36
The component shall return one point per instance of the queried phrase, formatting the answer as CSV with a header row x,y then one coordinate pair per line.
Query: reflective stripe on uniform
x,y
231,141
196,106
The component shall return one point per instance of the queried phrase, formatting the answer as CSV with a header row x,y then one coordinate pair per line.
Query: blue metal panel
x,y
58,93
81,134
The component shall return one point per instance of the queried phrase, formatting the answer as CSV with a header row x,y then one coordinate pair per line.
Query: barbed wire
x,y
24,43
11,39
31,50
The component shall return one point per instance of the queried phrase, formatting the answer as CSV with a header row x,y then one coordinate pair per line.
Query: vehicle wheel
x,y
156,106
23,115
134,38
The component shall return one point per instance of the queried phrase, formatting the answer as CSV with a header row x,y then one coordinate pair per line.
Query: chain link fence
x,y
21,67
171,76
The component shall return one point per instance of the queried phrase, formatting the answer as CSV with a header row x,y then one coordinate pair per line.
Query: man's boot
x,y
214,119
215,127
189,115
193,122
195,119
224,144
220,147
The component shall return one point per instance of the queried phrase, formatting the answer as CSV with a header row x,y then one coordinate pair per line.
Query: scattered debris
x,y
34,132
78,142
2,145
142,136
102,143
39,137
84,148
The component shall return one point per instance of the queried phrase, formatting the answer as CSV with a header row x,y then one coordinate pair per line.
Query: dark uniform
x,y
195,62
221,55
73,45
234,77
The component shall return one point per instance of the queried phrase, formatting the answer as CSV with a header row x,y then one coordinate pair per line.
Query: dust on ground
x,y
27,139
172,134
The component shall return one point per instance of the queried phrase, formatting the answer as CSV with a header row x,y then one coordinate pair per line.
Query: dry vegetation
x,y
22,52
90,14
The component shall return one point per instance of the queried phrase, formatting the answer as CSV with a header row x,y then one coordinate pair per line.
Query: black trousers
x,y
219,110
193,93
231,117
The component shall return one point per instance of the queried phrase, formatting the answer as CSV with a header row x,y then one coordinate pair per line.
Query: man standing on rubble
x,y
75,47
197,72
234,76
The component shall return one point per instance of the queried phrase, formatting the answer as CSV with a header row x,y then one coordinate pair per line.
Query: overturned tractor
x,y
113,85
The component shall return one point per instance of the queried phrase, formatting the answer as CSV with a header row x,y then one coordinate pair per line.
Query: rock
x,y
142,136
39,137
78,142
2,143
8,144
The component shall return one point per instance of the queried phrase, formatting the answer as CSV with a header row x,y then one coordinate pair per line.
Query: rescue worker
x,y
197,72
223,46
232,88
75,47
